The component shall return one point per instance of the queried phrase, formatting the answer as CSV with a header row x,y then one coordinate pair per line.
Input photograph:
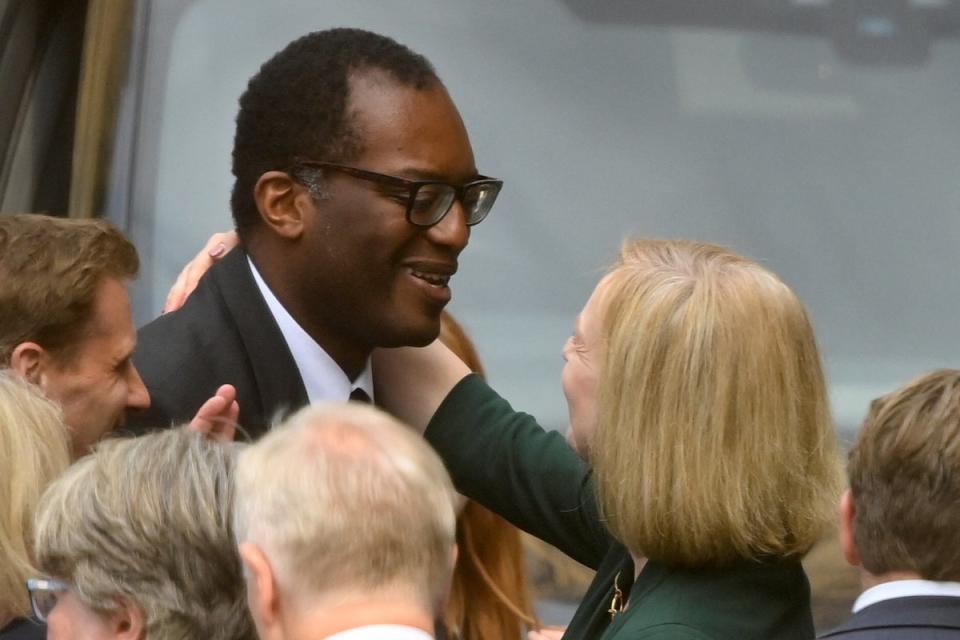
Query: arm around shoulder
x,y
411,383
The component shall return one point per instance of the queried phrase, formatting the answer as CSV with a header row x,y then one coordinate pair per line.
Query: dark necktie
x,y
359,395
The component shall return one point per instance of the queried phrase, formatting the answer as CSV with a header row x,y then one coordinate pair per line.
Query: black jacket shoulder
x,y
919,617
224,334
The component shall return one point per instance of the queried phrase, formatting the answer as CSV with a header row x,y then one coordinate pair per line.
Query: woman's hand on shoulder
x,y
217,246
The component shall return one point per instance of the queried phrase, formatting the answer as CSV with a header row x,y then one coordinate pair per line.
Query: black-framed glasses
x,y
427,201
44,593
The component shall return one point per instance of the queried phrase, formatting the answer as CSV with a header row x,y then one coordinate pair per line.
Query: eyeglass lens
x,y
43,602
434,200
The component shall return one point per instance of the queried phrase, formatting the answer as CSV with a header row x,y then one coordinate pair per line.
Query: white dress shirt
x,y
382,632
905,589
322,376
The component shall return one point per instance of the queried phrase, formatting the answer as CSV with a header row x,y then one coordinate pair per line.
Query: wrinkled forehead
x,y
109,329
601,295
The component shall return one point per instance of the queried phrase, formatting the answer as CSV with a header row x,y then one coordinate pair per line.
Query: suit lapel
x,y
277,378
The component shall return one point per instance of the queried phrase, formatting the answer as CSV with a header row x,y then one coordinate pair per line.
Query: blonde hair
x,y
489,596
905,479
714,440
148,520
50,269
33,452
344,497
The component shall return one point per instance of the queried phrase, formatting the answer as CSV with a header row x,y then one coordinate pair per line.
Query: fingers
x,y
217,246
217,417
178,292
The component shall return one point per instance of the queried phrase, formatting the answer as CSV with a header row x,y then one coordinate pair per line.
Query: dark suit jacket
x,y
224,333
23,629
505,461
920,617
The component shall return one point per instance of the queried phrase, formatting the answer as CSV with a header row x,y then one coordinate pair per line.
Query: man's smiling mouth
x,y
432,279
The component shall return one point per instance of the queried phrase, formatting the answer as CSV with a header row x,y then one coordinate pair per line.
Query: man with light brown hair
x,y
900,519
66,326
345,522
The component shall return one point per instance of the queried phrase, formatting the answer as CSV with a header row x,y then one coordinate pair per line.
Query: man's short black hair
x,y
296,105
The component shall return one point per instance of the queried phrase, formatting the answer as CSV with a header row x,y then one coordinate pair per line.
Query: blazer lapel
x,y
278,380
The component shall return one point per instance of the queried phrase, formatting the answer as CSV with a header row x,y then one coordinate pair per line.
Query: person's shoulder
x,y
23,629
747,600
204,317
925,617
666,631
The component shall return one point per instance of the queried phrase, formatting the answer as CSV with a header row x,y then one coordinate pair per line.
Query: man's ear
x,y
127,622
443,596
262,592
281,202
848,512
29,359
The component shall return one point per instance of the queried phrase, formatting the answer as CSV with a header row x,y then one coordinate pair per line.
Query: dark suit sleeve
x,y
504,460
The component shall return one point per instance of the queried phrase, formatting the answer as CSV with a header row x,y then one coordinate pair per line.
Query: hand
x,y
217,418
217,246
547,633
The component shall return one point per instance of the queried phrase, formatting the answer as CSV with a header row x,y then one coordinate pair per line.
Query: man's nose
x,y
137,395
452,231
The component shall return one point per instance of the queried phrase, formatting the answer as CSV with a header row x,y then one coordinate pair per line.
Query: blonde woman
x,y
705,465
135,542
33,452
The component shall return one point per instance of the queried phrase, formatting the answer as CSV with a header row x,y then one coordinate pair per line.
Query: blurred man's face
x,y
97,383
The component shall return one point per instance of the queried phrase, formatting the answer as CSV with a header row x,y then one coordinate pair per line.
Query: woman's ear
x,y
127,622
278,198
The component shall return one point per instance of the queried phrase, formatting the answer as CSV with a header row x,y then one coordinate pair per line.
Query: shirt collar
x,y
905,589
381,632
322,376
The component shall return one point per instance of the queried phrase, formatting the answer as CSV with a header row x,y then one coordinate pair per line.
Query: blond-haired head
x,y
714,440
343,498
905,480
33,452
146,522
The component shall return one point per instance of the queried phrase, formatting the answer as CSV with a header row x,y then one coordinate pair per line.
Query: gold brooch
x,y
616,603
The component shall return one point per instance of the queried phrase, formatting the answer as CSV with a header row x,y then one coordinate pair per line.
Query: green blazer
x,y
507,462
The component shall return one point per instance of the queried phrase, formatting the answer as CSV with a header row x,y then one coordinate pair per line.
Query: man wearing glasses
x,y
355,192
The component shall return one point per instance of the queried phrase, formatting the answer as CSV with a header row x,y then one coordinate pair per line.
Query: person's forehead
x,y
589,318
417,133
104,344
110,332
